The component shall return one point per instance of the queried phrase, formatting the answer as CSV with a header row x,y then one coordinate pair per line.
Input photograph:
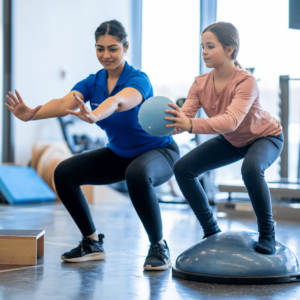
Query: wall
x,y
49,37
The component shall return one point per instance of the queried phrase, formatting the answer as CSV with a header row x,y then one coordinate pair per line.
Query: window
x,y
269,46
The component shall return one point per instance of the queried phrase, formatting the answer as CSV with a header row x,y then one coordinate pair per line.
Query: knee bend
x,y
182,171
179,169
251,170
60,173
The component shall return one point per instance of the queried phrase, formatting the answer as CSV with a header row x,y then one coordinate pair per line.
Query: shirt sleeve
x,y
245,94
191,105
84,87
141,83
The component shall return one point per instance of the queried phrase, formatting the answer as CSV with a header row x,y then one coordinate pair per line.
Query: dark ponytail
x,y
237,64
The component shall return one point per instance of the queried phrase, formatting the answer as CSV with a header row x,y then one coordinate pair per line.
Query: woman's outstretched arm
x,y
126,99
53,108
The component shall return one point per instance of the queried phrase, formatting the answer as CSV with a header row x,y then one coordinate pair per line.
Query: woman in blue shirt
x,y
115,94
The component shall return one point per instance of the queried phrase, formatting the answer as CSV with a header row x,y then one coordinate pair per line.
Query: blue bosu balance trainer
x,y
229,257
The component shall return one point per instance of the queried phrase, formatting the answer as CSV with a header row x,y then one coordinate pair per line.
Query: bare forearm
x,y
106,108
52,109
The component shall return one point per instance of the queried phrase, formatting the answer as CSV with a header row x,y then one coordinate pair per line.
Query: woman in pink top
x,y
230,97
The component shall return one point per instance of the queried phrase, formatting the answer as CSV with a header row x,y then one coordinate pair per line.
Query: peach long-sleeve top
x,y
234,112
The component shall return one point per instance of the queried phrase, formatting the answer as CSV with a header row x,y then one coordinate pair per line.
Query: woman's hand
x,y
84,113
181,121
19,108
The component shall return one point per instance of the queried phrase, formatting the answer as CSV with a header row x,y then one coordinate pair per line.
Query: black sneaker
x,y
158,258
88,249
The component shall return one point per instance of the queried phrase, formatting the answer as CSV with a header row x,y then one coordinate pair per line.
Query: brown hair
x,y
227,35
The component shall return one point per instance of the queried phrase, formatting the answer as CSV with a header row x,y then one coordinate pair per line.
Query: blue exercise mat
x,y
22,184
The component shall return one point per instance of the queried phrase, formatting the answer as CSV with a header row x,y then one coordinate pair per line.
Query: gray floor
x,y
121,275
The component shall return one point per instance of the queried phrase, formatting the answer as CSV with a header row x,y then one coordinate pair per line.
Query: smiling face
x,y
110,52
213,52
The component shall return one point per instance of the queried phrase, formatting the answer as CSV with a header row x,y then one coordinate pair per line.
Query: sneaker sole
x,y
160,268
92,256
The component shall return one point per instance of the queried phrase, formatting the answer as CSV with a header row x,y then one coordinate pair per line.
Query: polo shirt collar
x,y
124,75
102,79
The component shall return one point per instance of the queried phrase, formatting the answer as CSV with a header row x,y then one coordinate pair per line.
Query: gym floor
x,y
121,275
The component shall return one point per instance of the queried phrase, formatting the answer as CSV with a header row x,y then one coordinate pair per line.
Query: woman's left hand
x,y
84,113
181,121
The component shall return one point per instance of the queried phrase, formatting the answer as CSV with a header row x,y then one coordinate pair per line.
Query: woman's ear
x,y
127,46
230,50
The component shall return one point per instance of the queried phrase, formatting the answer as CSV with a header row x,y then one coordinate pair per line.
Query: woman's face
x,y
110,52
213,52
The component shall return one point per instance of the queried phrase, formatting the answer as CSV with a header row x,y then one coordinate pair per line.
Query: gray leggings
x,y
218,152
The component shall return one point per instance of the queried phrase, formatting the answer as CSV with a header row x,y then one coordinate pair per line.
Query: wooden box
x,y
21,247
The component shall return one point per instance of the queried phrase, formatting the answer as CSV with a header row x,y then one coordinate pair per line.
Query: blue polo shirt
x,y
125,135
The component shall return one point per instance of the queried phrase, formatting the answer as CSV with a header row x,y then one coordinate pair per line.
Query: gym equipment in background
x,y
78,143
152,116
294,13
45,158
229,257
284,81
20,185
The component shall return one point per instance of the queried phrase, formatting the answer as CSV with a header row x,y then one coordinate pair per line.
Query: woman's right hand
x,y
18,107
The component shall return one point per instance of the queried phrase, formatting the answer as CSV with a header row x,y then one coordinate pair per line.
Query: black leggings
x,y
103,166
218,152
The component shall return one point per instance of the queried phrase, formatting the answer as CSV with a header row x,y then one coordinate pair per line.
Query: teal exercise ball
x,y
152,114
